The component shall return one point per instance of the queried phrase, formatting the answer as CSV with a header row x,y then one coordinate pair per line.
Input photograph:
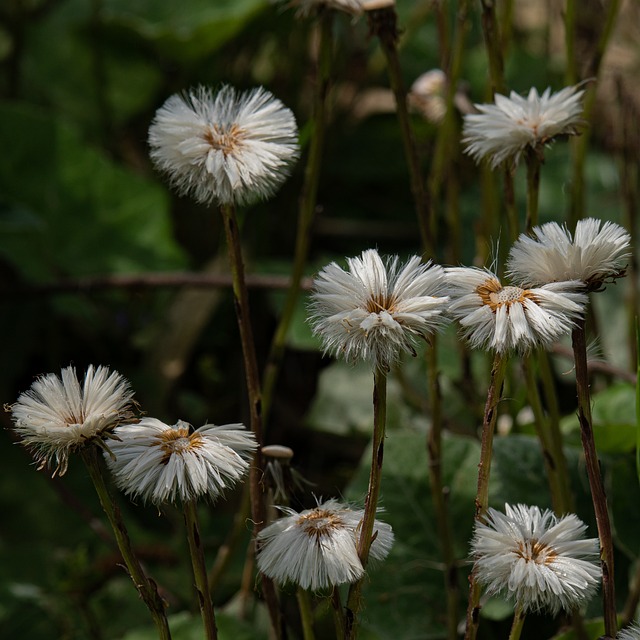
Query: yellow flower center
x,y
178,441
224,139
534,551
319,523
494,295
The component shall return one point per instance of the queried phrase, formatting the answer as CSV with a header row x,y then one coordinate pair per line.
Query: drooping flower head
x,y
226,147
596,252
164,463
502,131
316,548
536,559
59,415
630,633
494,316
427,95
376,310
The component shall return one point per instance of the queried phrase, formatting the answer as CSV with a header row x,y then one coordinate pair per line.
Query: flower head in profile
x,y
630,633
376,310
164,463
493,316
595,253
535,558
316,548
502,131
226,147
59,415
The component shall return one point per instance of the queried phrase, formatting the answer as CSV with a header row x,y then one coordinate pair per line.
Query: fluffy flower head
x,y
226,147
597,251
630,633
305,8
536,559
316,548
58,415
164,463
503,130
493,316
375,310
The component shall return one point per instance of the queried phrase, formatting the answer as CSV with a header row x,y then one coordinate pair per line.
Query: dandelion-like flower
x,y
164,463
536,559
630,633
427,95
493,316
316,548
226,147
376,310
503,130
58,415
596,252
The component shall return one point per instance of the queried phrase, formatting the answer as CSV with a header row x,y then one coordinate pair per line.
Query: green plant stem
x,y
511,212
551,455
571,73
518,622
494,394
338,613
434,449
383,23
493,43
146,587
306,211
580,144
592,464
306,616
199,569
371,502
533,162
241,303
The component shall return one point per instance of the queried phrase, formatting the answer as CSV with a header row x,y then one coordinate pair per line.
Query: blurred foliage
x,y
79,84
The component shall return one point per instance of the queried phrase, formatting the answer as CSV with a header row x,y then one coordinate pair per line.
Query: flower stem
x,y
371,501
494,395
306,617
383,23
493,43
518,623
199,569
533,188
338,613
434,450
146,587
241,303
306,211
595,479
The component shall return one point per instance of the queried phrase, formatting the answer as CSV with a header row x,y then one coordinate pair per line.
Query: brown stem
x,y
596,485
494,395
146,587
241,302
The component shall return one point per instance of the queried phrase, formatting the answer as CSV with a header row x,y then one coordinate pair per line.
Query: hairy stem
x,y
365,539
533,188
241,303
595,479
306,616
199,569
517,624
494,395
146,587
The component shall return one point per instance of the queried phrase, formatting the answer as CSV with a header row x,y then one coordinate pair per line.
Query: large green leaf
x,y
71,211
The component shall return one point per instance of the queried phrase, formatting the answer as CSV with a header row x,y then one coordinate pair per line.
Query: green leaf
x,y
71,211
614,420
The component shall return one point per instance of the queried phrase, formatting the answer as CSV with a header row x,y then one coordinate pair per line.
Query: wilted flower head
x,y
57,416
226,147
164,463
596,252
493,316
427,95
630,633
375,310
535,558
502,131
279,475
316,548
